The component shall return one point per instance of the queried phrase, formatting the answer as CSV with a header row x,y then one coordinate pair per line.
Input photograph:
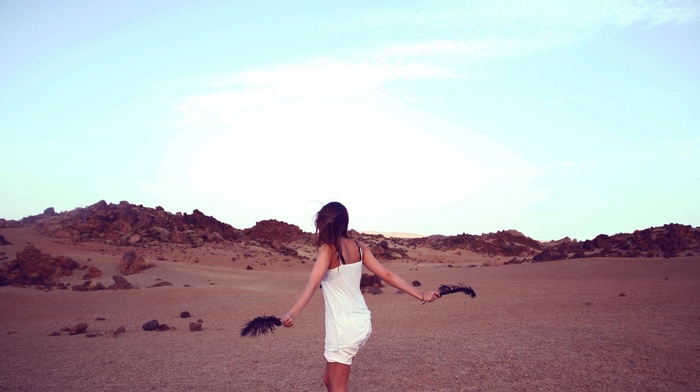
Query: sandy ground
x,y
588,324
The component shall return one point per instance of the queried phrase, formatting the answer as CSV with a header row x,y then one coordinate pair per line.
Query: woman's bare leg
x,y
336,377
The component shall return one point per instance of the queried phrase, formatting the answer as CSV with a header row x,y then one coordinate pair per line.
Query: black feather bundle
x,y
260,326
449,289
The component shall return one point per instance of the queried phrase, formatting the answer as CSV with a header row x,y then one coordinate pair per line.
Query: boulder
x,y
132,263
33,267
195,327
120,283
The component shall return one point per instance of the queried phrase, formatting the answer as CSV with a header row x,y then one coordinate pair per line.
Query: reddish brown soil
x,y
585,324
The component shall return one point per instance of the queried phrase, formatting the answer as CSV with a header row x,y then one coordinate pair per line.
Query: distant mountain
x,y
136,225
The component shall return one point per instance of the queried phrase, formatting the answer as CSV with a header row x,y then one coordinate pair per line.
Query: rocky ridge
x,y
126,224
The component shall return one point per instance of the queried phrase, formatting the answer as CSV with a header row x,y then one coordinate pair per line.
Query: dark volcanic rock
x,y
78,329
151,325
161,284
33,267
367,280
120,283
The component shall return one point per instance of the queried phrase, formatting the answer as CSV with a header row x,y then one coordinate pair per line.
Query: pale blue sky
x,y
556,118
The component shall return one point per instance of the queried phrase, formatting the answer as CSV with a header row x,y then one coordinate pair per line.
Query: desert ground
x,y
585,324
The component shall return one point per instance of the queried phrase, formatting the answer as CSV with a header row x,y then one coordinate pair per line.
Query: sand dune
x,y
586,324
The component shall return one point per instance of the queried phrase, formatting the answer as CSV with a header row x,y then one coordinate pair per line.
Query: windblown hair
x,y
332,225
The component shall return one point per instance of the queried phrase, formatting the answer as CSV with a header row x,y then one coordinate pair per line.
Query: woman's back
x,y
341,284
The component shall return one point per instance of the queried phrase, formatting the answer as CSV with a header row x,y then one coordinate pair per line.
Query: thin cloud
x,y
501,28
296,86
271,128
505,15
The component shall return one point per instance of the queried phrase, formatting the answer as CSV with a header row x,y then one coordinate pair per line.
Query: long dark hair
x,y
332,225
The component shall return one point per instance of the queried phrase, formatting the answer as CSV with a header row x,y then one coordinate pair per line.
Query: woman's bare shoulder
x,y
325,248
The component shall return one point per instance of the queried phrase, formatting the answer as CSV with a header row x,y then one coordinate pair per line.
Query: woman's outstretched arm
x,y
393,279
320,267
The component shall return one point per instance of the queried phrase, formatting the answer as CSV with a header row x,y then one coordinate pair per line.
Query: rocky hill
x,y
670,240
126,224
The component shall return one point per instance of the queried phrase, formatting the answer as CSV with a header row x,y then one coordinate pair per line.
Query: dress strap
x,y
340,256
359,248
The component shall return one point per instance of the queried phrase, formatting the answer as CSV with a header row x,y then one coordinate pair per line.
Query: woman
x,y
338,269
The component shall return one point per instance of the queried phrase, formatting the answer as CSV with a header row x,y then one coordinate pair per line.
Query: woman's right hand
x,y
430,296
287,320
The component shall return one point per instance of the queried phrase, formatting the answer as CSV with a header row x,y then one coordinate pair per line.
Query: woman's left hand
x,y
287,320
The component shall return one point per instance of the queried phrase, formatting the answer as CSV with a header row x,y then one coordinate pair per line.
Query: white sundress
x,y
348,320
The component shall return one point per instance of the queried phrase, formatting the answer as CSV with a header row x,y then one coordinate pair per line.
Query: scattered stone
x,y
151,325
89,286
195,327
93,335
200,320
3,241
163,327
161,284
93,273
65,329
120,330
100,319
367,280
372,290
78,329
622,295
249,268
132,263
110,334
120,283
184,314
55,333
415,283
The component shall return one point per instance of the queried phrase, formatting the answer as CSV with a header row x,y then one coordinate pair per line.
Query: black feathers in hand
x,y
449,289
260,326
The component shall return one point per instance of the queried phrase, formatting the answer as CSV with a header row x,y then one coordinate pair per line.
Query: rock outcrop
x,y
670,240
33,267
